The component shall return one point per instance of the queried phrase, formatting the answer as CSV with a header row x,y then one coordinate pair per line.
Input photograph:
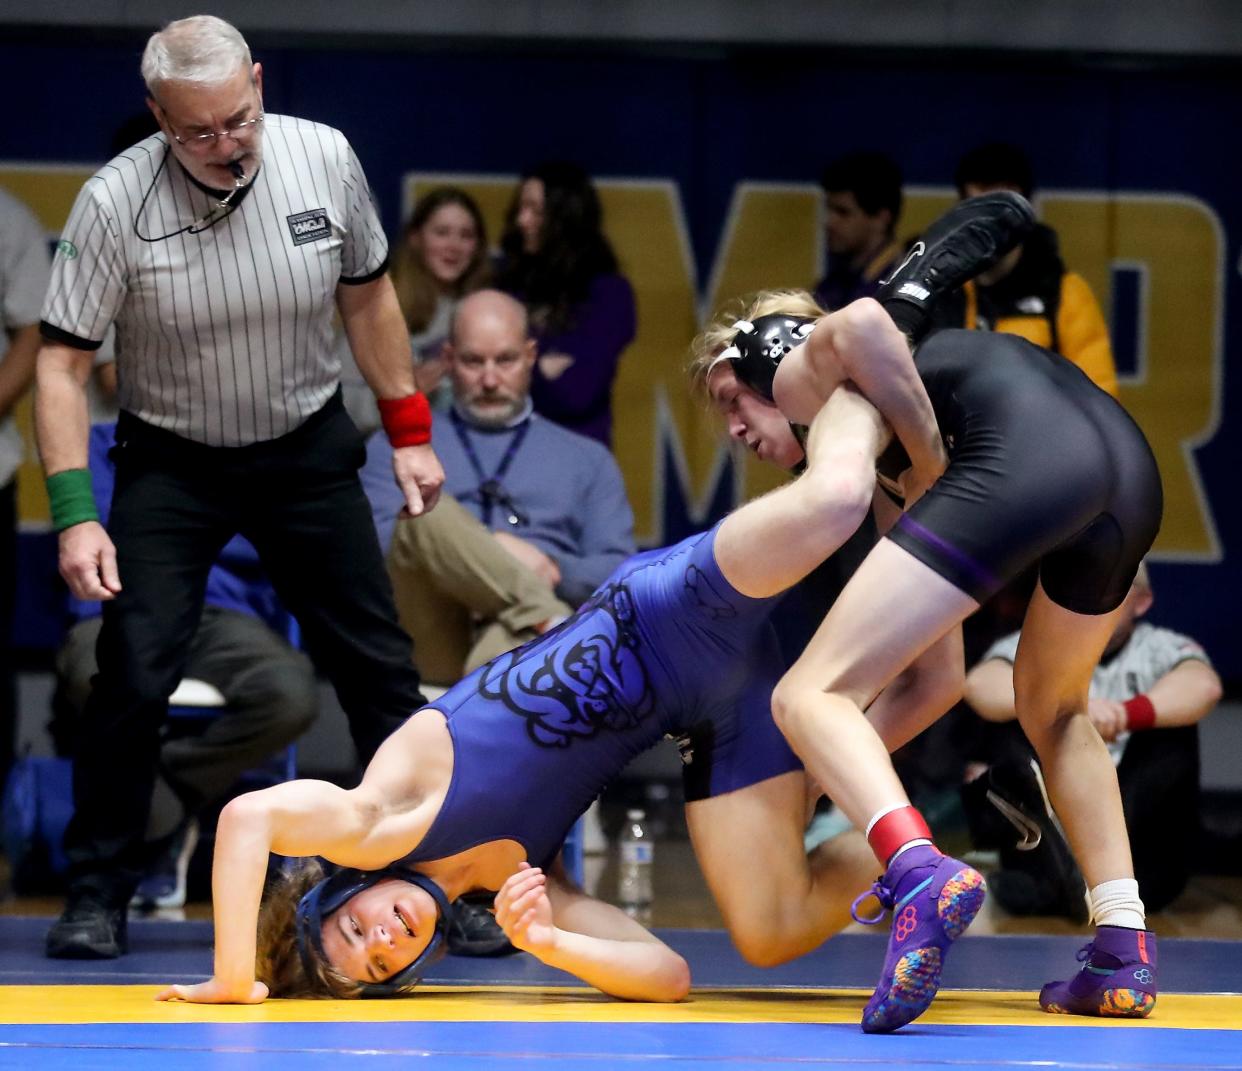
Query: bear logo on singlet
x,y
580,679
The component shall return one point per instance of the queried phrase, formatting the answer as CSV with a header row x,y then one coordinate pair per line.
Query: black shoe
x,y
88,928
473,931
969,238
1008,809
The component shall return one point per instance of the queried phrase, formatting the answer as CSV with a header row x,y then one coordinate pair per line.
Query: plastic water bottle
x,y
637,860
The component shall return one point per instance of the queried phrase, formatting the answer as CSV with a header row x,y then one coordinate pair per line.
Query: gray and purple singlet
x,y
665,646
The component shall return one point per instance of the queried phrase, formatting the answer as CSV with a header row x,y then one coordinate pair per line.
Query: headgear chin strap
x,y
332,893
757,348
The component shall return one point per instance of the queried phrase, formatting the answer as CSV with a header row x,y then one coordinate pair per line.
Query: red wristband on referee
x,y
1140,714
407,421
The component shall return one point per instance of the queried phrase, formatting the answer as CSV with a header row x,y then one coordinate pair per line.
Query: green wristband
x,y
72,499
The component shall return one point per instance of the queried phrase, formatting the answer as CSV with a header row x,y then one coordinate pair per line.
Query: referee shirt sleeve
x,y
88,273
23,265
364,255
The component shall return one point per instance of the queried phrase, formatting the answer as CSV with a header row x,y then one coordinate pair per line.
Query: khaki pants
x,y
461,596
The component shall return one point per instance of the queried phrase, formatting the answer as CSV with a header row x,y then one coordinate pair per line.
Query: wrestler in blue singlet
x,y
665,646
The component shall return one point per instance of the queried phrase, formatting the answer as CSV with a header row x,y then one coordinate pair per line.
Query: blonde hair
x,y
277,962
709,342
202,49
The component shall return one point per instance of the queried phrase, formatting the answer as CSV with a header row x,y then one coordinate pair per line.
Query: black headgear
x,y
757,348
331,894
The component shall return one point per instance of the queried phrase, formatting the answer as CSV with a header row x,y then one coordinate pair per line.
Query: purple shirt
x,y
580,398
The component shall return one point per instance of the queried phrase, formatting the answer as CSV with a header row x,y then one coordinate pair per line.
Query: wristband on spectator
x,y
72,499
1140,713
407,421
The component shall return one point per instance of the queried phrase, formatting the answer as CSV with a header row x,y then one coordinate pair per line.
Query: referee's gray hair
x,y
201,49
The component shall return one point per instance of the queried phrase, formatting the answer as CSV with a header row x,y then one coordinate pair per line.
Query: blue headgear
x,y
757,348
331,894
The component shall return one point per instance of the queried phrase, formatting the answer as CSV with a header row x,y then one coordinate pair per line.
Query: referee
x,y
220,248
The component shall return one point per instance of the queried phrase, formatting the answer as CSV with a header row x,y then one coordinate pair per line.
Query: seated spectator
x,y
540,518
442,255
862,202
555,259
268,688
1150,691
1030,292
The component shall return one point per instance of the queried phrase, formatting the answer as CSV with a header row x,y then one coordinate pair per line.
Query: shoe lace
x,y
883,894
1084,954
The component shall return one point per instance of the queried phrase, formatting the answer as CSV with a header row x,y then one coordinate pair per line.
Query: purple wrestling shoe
x,y
1118,977
933,899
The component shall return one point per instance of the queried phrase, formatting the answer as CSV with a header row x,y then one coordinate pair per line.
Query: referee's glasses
x,y
202,143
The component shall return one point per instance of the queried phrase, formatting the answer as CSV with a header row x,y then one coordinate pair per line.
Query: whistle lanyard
x,y
491,489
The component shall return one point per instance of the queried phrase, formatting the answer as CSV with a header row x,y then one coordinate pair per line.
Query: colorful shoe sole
x,y
1114,1004
916,975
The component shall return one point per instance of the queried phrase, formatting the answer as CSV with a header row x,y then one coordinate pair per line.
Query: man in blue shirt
x,y
537,515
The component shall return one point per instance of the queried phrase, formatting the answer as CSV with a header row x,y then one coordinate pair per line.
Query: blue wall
x,y
709,120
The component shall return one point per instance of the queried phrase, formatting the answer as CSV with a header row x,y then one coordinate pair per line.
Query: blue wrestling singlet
x,y
664,646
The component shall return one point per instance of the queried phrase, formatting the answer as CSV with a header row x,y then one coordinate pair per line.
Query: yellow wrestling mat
x,y
49,1004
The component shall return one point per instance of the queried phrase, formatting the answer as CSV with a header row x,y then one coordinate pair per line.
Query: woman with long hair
x,y
556,259
440,257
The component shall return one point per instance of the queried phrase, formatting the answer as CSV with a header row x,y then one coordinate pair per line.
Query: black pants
x,y
175,505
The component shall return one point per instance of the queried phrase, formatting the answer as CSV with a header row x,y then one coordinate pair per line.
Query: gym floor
x,y
513,1012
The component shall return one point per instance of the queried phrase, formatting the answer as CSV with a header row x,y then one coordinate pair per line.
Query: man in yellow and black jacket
x,y
1029,292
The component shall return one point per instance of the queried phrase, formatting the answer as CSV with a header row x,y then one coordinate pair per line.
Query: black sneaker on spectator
x,y
473,929
1007,808
164,883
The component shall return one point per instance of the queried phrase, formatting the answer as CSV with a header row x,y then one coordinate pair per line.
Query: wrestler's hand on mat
x,y
1108,716
88,561
524,912
213,991
419,475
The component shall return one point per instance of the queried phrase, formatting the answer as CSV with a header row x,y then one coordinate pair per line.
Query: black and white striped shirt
x,y
222,336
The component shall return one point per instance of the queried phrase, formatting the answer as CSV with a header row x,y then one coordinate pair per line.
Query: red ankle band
x,y
407,421
894,829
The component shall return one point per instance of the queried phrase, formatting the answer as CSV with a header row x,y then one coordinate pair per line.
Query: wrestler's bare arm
x,y
860,343
547,916
294,818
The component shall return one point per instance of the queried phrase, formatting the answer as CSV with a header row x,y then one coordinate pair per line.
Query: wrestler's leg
x,y
1056,656
1057,653
777,901
890,612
